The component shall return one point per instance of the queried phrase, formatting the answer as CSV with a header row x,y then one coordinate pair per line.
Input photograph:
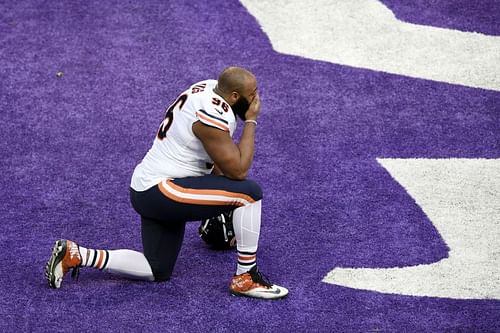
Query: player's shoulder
x,y
211,109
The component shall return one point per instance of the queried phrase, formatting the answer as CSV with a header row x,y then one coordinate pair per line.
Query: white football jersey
x,y
176,151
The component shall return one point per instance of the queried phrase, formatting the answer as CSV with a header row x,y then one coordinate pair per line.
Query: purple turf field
x,y
69,143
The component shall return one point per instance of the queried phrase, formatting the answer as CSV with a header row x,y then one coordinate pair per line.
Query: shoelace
x,y
258,277
75,251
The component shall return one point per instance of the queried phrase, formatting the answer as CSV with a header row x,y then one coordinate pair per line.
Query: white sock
x,y
131,264
246,223
126,263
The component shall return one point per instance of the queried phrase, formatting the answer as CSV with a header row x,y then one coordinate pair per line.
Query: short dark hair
x,y
233,79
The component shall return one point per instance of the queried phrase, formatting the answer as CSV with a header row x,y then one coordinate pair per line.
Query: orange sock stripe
x,y
101,256
247,257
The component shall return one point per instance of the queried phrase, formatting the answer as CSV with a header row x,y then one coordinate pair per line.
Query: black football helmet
x,y
218,231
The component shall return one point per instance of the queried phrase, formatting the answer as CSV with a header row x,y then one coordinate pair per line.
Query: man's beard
x,y
241,107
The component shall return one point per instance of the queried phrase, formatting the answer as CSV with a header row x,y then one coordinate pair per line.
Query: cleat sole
x,y
56,257
256,296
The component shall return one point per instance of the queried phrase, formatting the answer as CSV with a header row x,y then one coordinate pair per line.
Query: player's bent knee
x,y
254,190
161,277
161,274
161,270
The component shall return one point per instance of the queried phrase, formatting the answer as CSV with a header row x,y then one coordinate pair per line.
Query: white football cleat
x,y
65,256
254,284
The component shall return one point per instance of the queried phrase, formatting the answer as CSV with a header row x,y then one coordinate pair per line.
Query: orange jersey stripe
x,y
211,192
213,122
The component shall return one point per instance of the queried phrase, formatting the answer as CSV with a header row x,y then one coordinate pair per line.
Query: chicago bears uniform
x,y
174,184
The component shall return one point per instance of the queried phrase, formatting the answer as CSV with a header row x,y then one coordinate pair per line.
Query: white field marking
x,y
462,199
366,34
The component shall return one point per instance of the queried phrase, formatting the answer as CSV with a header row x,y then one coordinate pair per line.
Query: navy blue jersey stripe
x,y
214,117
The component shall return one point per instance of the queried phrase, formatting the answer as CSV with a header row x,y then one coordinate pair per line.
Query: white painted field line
x,y
366,34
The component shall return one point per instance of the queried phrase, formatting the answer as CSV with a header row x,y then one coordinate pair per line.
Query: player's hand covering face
x,y
254,108
241,107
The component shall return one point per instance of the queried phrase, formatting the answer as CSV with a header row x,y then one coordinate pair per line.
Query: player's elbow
x,y
242,176
237,176
234,169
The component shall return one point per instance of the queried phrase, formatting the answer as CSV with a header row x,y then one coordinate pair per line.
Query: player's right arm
x,y
233,160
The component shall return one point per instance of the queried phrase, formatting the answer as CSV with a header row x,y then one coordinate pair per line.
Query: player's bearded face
x,y
241,107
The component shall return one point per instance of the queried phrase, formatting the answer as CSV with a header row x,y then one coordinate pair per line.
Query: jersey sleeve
x,y
210,116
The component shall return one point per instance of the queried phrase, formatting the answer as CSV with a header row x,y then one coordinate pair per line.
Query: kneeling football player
x,y
176,183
